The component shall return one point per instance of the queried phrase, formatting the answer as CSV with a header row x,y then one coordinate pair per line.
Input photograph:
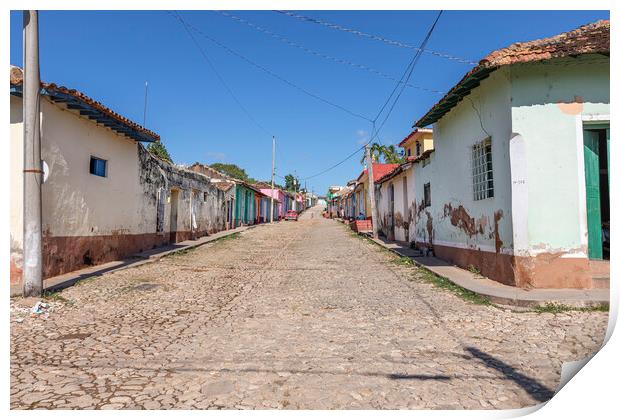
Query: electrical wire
x,y
374,37
407,75
275,75
217,73
294,44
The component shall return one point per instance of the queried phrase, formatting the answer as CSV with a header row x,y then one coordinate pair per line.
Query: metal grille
x,y
482,170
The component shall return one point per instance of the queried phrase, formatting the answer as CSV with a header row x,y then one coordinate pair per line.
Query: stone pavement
x,y
145,257
498,292
292,315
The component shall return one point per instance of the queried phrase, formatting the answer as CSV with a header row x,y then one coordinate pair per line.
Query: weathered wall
x,y
458,220
402,206
17,188
550,102
533,232
89,219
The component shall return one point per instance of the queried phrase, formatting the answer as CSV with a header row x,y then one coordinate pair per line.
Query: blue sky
x,y
109,55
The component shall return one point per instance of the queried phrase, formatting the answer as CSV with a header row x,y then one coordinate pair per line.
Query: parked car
x,y
291,215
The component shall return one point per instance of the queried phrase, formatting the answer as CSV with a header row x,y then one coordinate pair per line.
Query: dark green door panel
x,y
593,193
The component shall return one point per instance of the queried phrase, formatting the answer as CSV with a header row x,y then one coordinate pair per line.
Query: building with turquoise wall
x,y
517,183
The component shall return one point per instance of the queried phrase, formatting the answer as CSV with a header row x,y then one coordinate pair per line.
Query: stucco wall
x,y
89,219
17,188
402,208
457,219
547,117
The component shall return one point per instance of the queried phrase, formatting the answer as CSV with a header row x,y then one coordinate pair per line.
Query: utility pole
x,y
273,172
371,195
33,173
296,187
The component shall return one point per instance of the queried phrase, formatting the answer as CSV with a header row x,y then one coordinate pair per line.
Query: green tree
x,y
384,154
392,155
159,150
231,170
291,182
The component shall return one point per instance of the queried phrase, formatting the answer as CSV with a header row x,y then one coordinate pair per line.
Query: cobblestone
x,y
292,315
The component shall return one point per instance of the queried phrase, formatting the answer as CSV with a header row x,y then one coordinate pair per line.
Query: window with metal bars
x,y
482,170
427,194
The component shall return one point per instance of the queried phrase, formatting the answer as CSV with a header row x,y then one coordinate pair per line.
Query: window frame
x,y
427,197
481,155
92,169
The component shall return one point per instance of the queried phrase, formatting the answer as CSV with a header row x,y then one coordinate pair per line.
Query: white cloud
x,y
362,137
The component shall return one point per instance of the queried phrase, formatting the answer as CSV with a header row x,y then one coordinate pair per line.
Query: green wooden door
x,y
593,193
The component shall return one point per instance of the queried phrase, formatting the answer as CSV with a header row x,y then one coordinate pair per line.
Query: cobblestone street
x,y
292,315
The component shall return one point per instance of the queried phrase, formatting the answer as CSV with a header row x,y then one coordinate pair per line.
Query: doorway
x,y
596,166
174,212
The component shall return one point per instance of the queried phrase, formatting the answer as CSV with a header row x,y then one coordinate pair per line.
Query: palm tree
x,y
376,150
392,155
387,154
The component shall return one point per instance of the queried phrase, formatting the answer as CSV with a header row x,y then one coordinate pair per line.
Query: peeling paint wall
x,y
89,219
549,106
457,219
402,217
533,232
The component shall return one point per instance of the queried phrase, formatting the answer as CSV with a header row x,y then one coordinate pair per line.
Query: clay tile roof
x,y
379,170
224,185
99,111
587,39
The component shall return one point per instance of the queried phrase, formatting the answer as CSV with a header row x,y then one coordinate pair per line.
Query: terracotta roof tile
x,y
379,170
592,38
17,79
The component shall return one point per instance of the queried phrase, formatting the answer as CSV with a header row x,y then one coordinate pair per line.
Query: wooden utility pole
x,y
33,172
371,195
273,172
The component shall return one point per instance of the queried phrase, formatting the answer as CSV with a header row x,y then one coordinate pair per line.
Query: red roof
x,y
379,170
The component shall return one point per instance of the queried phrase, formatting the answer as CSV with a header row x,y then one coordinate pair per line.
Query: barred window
x,y
482,170
427,194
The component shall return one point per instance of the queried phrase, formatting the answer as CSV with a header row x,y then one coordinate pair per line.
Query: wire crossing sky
x,y
223,83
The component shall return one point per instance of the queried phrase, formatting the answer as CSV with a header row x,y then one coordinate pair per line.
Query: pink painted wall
x,y
278,195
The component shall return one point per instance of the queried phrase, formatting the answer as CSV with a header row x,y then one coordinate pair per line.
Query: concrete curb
x,y
69,279
507,295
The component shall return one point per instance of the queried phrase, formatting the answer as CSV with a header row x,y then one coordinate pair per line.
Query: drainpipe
x,y
33,173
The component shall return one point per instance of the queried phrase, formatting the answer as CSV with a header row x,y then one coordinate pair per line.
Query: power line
x,y
271,73
374,37
411,67
294,44
408,73
219,76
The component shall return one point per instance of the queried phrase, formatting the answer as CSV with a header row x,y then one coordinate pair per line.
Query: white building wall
x,y
458,220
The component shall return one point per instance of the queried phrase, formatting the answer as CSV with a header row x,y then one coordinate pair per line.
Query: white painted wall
x,y
485,112
537,149
78,204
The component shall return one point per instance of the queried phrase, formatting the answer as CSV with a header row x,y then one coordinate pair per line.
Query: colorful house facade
x,y
517,185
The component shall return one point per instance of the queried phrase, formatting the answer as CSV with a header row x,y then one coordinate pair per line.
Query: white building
x,y
517,185
105,196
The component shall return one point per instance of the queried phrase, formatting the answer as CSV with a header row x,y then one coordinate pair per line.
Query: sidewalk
x,y
69,279
495,291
